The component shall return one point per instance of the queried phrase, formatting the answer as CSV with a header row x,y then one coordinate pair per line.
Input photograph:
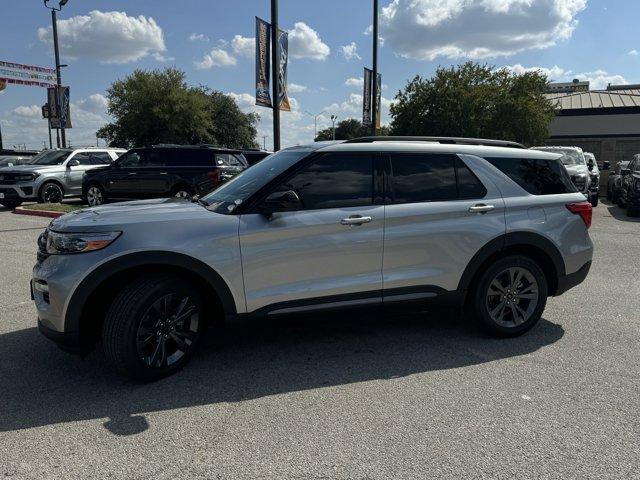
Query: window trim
x,y
389,193
253,202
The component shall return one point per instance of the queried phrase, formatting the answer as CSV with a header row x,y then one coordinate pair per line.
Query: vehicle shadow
x,y
42,385
619,213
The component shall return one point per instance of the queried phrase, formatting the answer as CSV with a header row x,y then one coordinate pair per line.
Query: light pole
x,y
333,123
54,23
374,95
315,122
275,69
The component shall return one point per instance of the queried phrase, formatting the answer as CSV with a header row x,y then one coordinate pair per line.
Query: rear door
x,y
328,251
438,216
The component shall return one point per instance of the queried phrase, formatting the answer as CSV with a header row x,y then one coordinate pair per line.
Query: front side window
x,y
536,176
130,160
335,180
82,158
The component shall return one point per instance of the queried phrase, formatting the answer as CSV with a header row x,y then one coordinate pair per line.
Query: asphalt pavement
x,y
344,397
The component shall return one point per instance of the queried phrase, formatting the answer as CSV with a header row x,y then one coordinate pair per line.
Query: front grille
x,y
580,182
42,246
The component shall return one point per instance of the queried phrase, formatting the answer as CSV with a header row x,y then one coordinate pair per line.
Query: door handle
x,y
355,220
481,208
164,173
132,173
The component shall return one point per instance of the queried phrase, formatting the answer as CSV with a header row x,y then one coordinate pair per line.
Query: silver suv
x,y
486,225
51,175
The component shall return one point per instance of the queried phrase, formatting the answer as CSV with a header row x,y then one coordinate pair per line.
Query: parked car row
x,y
628,195
96,176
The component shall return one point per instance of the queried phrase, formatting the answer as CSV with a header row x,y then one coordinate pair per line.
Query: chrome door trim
x,y
322,306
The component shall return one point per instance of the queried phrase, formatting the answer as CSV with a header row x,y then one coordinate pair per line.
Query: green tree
x,y
474,100
348,129
151,107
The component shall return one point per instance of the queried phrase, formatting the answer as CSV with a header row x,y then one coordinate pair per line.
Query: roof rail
x,y
443,140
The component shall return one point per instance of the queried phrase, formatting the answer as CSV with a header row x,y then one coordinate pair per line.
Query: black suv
x,y
162,171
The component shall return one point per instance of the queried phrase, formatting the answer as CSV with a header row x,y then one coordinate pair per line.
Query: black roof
x,y
193,147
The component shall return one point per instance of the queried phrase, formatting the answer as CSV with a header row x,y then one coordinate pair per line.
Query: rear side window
x,y
536,176
191,157
419,178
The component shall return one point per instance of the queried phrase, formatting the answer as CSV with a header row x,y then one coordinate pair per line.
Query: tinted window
x,y
130,160
82,158
468,184
190,157
423,178
334,181
154,158
536,176
100,158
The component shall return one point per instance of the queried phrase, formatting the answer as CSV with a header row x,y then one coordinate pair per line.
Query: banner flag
x,y
366,97
283,56
378,100
263,63
59,109
20,74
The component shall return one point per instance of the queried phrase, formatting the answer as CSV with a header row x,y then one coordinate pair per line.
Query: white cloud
x,y
245,46
216,58
355,82
198,37
304,42
25,123
158,57
427,29
634,53
599,79
295,88
350,52
554,74
109,37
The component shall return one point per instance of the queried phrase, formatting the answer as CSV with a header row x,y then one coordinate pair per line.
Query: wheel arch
x,y
535,246
89,302
50,180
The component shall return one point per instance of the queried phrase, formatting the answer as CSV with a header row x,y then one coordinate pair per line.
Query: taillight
x,y
214,175
584,209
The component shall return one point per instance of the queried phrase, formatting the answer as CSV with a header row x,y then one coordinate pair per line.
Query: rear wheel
x,y
51,192
11,203
182,191
153,327
510,296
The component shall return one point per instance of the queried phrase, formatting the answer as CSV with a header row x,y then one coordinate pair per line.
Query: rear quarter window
x,y
536,176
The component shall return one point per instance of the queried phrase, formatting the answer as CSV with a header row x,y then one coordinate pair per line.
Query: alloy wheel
x,y
512,297
183,194
52,193
94,196
167,331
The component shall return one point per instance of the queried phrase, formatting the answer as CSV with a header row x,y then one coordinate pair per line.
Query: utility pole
x,y
60,134
275,70
374,95
315,122
333,122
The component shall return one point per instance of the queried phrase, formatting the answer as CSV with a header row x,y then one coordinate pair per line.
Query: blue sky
x,y
106,40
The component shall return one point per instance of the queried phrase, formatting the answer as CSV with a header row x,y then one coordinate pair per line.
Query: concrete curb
x,y
37,213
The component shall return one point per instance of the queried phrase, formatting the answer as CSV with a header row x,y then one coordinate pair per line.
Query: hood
x,y
118,216
31,168
577,169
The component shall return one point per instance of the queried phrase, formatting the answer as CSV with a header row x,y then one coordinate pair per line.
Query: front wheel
x,y
51,192
95,195
183,192
153,327
510,296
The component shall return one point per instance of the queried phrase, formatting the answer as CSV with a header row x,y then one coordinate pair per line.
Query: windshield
x,y
231,194
52,157
569,156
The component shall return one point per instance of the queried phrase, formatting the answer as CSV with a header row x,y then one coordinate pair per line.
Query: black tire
x,y
11,204
595,200
95,195
614,196
123,328
50,192
633,211
484,301
183,191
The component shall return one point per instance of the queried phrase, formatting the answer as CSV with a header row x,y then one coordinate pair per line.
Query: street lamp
x,y
54,23
333,123
315,122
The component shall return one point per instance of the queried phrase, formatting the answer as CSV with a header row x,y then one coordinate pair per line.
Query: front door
x,y
328,250
74,173
439,214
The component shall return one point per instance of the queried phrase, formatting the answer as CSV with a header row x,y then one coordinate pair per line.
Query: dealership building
x,y
604,122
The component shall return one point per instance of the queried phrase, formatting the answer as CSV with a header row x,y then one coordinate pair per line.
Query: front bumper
x,y
571,280
67,341
20,191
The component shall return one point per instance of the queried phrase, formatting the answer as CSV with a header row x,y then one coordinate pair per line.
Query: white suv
x,y
368,223
52,175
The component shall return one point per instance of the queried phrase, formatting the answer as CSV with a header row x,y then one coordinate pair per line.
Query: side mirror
x,y
72,163
606,165
624,172
280,202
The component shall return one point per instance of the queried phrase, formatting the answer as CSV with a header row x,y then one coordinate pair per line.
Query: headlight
x,y
64,243
27,177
